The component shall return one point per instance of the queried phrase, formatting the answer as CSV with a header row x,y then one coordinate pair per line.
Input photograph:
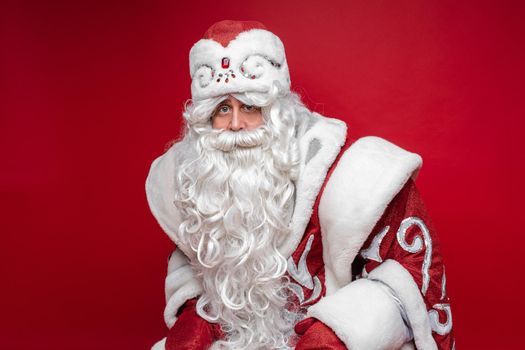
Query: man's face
x,y
233,115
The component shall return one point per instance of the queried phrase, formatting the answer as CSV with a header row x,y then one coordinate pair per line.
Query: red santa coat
x,y
356,209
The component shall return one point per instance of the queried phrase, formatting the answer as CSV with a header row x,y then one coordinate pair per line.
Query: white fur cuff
x,y
180,286
363,316
399,279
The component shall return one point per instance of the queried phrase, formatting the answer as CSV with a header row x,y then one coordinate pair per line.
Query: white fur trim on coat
x,y
160,192
364,315
399,279
180,286
368,176
320,141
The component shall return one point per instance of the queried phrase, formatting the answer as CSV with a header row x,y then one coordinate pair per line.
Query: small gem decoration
x,y
225,63
226,75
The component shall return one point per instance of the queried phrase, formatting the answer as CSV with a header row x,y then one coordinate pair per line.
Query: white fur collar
x,y
368,176
320,140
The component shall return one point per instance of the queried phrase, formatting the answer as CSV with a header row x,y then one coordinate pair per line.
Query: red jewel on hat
x,y
225,63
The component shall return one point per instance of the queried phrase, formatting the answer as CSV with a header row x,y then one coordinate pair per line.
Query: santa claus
x,y
289,233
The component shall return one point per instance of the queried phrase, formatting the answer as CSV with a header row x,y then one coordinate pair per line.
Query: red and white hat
x,y
237,56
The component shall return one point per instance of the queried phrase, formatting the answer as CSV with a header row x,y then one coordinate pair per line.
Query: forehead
x,y
229,99
234,100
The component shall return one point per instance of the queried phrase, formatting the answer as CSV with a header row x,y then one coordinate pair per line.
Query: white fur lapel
x,y
368,176
160,192
320,140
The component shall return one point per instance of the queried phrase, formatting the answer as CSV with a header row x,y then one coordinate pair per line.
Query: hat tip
x,y
226,30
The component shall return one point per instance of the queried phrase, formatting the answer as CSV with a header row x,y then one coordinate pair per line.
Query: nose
x,y
237,122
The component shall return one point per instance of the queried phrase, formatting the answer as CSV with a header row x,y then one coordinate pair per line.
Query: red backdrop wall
x,y
92,91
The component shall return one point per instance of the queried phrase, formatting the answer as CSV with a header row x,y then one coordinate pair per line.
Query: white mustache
x,y
227,141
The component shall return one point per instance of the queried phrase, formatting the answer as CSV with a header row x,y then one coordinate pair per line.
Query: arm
x,y
401,292
413,268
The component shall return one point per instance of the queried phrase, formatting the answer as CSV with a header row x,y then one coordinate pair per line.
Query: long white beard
x,y
236,196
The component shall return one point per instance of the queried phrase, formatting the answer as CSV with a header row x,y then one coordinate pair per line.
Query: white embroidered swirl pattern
x,y
252,67
433,315
417,245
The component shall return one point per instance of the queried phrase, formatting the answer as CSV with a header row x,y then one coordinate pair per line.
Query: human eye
x,y
249,108
222,109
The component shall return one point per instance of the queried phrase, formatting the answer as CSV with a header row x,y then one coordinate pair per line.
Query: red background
x,y
92,91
